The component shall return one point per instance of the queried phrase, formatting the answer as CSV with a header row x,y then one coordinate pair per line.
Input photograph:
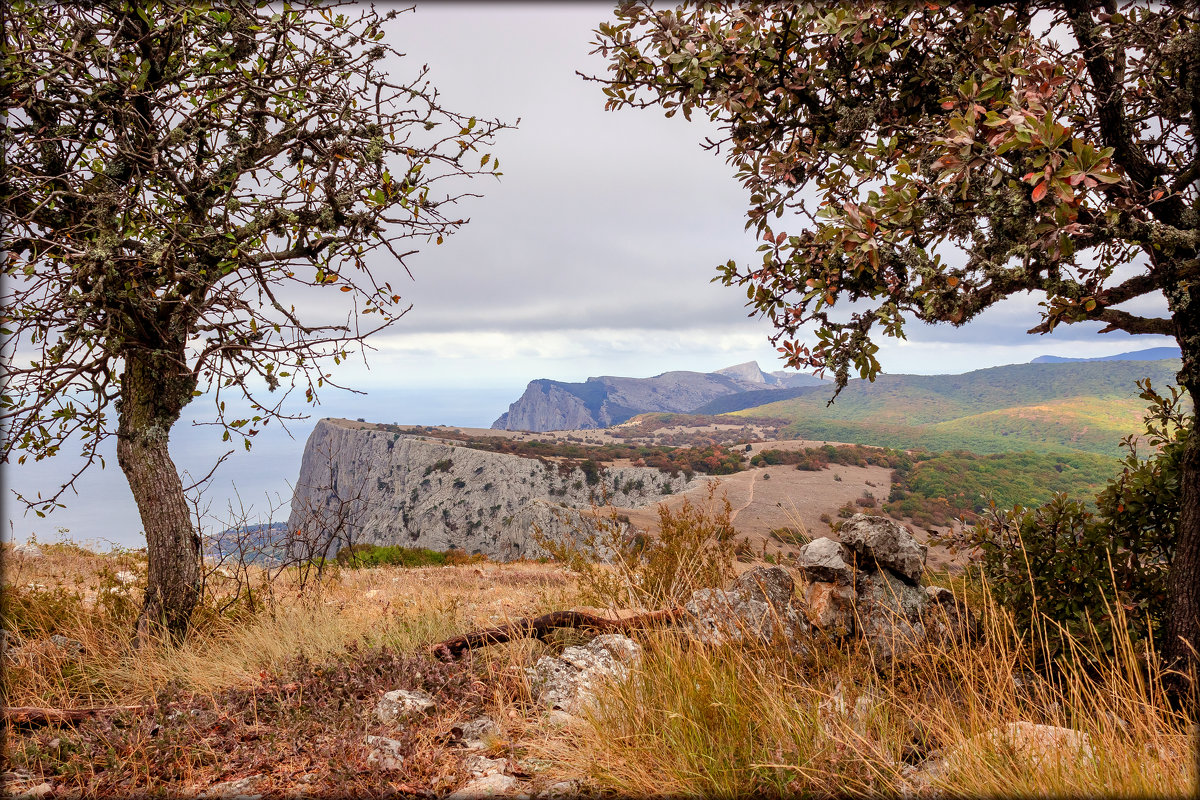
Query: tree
x,y
928,160
172,173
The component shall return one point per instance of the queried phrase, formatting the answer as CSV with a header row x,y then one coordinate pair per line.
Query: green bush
x,y
370,555
1093,573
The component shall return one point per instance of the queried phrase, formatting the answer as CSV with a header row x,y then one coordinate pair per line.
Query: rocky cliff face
x,y
608,400
362,484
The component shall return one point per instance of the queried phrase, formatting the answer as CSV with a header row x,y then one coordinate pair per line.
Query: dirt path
x,y
749,499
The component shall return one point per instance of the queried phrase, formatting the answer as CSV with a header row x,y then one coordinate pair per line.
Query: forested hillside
x,y
1087,406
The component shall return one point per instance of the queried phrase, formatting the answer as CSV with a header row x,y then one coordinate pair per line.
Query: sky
x,y
592,255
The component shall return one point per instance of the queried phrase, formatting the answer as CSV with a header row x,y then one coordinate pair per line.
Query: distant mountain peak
x,y
1149,354
748,372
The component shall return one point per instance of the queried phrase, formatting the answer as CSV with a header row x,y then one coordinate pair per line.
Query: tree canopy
x,y
927,160
173,174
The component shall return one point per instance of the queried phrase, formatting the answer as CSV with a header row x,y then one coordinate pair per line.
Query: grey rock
x,y
28,550
1041,746
889,613
494,785
479,766
940,595
569,682
561,789
482,502
881,542
386,754
826,560
401,704
235,789
10,641
40,790
72,646
757,606
476,734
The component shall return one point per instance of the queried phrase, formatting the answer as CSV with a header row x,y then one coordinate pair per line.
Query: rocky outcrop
x,y
866,585
371,485
608,400
757,606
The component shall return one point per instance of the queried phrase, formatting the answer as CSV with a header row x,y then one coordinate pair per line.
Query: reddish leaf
x,y
1039,191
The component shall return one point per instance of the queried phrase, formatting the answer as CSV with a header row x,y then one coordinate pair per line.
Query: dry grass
x,y
289,690
747,721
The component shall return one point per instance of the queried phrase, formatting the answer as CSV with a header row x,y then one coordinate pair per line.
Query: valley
x,y
930,451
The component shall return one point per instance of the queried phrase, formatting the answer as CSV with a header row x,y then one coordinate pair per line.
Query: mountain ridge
x,y
606,400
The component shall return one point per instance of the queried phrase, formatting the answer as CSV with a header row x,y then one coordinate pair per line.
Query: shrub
x,y
1094,573
370,555
693,550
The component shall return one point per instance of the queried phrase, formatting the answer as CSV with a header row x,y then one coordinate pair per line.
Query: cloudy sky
x,y
592,255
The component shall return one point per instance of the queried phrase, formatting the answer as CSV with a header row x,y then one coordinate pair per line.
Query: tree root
x,y
30,716
541,627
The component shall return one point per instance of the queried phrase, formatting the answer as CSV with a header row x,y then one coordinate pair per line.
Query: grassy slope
x,y
1085,407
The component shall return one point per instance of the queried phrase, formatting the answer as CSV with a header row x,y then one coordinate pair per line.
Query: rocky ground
x,y
845,670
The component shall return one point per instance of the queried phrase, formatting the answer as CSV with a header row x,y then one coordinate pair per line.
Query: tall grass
x,y
742,721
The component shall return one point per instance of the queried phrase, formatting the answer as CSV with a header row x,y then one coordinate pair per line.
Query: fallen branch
x,y
541,627
31,715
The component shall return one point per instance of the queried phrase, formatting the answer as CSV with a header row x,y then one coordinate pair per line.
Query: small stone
x,y
370,594
940,595
41,790
386,754
561,789
63,643
235,789
402,704
126,578
480,766
495,785
28,550
476,734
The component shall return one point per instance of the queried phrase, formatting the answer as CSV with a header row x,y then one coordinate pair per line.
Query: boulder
x,y
881,542
889,613
402,704
757,606
827,561
830,607
569,682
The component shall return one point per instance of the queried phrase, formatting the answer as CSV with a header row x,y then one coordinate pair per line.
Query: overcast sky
x,y
592,255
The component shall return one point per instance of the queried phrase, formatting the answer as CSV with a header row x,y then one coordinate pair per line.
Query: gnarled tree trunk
x,y
155,387
1182,635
